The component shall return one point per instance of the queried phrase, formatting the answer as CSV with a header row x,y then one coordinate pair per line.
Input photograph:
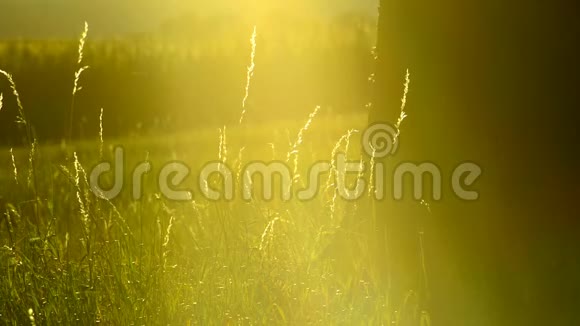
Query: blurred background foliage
x,y
190,71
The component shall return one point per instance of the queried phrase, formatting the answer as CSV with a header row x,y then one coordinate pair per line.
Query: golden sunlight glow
x,y
252,162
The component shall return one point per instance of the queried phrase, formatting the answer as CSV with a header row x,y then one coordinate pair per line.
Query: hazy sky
x,y
64,18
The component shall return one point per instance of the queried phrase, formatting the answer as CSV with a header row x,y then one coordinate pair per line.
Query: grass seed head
x,y
250,72
14,166
101,142
82,42
31,317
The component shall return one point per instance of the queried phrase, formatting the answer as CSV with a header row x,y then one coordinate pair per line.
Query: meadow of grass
x,y
68,256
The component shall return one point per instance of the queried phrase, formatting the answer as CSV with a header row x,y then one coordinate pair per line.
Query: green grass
x,y
70,257
82,259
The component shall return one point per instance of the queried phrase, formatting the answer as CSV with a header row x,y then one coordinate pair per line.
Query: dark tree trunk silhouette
x,y
493,82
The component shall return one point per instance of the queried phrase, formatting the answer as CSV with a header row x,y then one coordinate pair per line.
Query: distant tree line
x,y
188,74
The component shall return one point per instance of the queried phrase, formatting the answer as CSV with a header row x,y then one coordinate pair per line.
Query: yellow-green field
x,y
304,162
71,257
